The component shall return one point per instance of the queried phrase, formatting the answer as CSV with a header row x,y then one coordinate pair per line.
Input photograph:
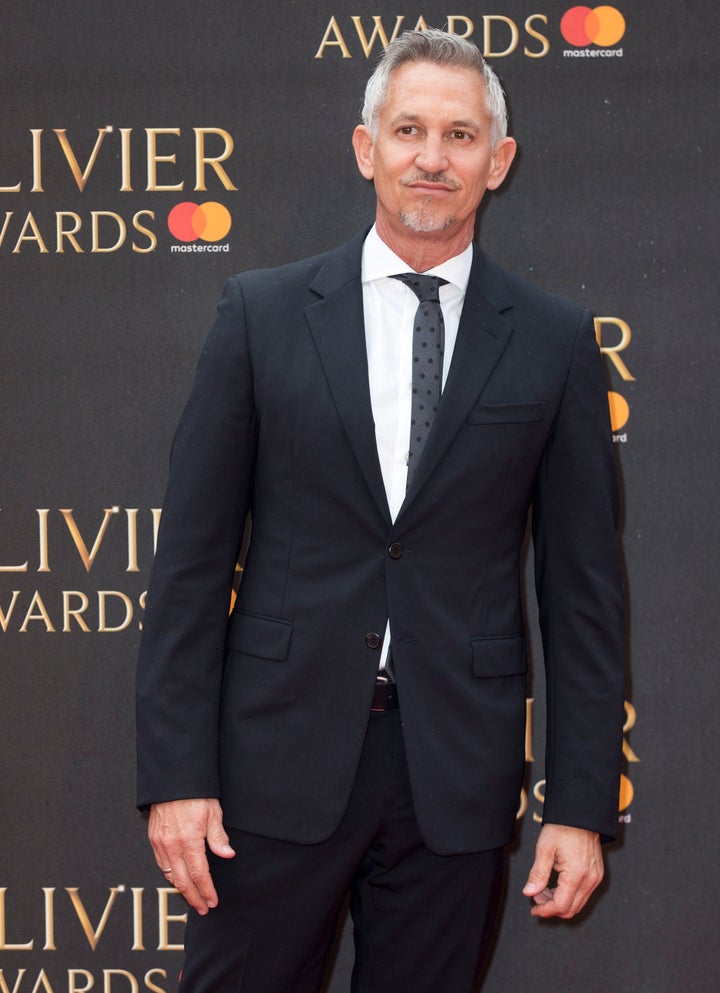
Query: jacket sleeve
x,y
204,512
579,584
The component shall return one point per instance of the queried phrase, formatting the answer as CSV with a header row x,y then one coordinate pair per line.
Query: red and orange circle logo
x,y
583,26
619,410
189,221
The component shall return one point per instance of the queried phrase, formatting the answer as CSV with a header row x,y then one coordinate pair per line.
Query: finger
x,y
569,897
559,904
183,862
181,880
544,896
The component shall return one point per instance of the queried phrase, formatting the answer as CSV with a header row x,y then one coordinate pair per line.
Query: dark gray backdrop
x,y
611,202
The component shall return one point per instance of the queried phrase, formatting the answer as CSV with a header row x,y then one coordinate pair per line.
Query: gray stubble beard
x,y
423,221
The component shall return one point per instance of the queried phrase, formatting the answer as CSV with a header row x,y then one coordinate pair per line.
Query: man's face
x,y
431,160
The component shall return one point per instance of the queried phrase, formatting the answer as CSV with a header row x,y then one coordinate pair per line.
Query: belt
x,y
385,696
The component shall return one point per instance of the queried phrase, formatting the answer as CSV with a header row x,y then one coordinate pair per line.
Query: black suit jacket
x,y
268,711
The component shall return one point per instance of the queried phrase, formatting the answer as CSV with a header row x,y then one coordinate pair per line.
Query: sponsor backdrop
x,y
149,150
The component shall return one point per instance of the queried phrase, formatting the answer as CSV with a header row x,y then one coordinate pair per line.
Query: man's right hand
x,y
178,831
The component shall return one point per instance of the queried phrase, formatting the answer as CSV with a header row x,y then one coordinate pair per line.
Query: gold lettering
x,y
522,809
88,557
42,981
126,185
153,159
137,895
35,236
421,24
165,918
109,973
73,974
334,29
4,988
132,539
4,944
43,539
378,31
95,216
37,186
102,599
75,612
152,239
470,27
93,935
5,617
14,568
42,615
150,984
529,729
156,515
8,215
544,43
80,177
62,233
539,794
201,159
11,189
141,601
488,20
630,718
49,945
612,350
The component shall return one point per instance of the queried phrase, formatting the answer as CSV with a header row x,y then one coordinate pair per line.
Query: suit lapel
x,y
483,334
337,327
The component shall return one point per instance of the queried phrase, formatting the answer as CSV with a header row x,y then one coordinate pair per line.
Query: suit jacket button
x,y
395,551
373,640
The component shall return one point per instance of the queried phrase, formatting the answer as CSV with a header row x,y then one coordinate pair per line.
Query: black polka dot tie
x,y
427,363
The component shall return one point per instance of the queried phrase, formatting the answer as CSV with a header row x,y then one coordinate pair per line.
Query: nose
x,y
432,155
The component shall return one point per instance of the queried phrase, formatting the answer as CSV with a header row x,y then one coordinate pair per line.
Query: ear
x,y
363,145
502,158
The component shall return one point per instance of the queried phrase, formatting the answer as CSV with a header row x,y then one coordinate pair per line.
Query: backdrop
x,y
147,151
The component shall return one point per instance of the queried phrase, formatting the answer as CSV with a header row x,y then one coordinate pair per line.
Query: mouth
x,y
431,185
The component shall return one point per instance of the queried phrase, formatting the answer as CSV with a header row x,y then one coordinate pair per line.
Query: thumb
x,y
217,838
539,875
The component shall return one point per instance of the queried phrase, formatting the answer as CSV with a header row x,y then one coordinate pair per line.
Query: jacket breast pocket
x,y
255,634
506,413
493,657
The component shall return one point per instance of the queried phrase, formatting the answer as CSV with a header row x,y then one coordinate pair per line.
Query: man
x,y
359,722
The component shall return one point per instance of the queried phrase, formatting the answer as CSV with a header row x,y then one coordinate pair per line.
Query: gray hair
x,y
439,48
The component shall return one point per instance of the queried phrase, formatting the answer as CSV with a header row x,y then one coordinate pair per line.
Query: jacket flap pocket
x,y
506,413
264,637
499,656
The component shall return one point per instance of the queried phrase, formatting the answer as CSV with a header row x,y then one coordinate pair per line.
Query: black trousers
x,y
422,921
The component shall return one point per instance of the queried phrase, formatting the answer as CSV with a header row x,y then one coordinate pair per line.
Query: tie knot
x,y
425,288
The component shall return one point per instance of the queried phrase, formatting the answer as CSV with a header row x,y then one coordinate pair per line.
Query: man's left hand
x,y
576,856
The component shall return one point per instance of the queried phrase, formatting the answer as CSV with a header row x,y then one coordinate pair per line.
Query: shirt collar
x,y
378,260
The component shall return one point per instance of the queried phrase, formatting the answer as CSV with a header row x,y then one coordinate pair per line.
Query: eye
x,y
461,135
407,129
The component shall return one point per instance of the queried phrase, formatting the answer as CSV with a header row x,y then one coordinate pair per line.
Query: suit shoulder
x,y
300,274
527,295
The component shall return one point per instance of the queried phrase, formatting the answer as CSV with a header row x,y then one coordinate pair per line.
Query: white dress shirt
x,y
389,309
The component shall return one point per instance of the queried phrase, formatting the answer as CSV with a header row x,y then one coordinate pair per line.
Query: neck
x,y
424,250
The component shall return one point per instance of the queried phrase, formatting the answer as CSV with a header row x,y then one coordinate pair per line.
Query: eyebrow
x,y
414,118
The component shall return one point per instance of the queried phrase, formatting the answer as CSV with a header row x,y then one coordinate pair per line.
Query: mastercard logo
x,y
626,793
189,221
619,410
582,26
